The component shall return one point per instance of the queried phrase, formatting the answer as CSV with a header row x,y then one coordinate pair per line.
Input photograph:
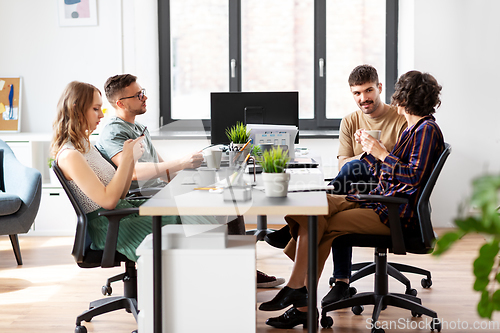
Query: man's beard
x,y
374,106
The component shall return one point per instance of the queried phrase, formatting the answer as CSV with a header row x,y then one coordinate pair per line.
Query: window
x,y
308,46
278,48
355,35
199,46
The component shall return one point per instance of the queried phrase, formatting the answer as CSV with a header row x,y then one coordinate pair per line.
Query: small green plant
x,y
486,221
238,133
50,160
274,160
255,150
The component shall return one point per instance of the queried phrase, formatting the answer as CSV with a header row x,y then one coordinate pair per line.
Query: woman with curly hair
x,y
402,172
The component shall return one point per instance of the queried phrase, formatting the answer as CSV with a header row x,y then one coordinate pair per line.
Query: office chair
x,y
421,243
136,193
85,257
395,270
20,195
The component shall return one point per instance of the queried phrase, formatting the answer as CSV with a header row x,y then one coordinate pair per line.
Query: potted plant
x,y
485,219
240,137
53,178
273,163
238,134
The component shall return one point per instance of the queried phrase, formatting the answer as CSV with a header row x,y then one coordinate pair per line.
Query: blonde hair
x,y
71,123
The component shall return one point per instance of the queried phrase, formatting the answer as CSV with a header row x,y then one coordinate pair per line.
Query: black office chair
x,y
422,243
395,270
85,257
136,193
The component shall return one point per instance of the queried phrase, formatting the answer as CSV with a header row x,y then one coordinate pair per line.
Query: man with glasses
x,y
129,100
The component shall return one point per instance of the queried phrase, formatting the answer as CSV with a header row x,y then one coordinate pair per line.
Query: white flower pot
x,y
276,184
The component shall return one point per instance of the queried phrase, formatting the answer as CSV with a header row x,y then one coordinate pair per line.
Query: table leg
x,y
312,274
157,293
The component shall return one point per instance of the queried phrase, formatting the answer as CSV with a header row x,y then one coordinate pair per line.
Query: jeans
x,y
352,172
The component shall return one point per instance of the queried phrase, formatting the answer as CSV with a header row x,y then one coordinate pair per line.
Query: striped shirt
x,y
406,169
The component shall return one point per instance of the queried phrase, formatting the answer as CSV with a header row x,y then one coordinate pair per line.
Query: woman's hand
x,y
133,148
372,146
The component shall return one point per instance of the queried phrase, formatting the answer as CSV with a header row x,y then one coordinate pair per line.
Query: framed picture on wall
x,y
77,12
10,104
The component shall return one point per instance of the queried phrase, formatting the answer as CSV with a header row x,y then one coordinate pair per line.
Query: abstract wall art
x,y
77,12
10,104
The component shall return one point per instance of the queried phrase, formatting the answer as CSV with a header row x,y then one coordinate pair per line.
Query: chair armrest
x,y
114,217
382,199
392,204
147,192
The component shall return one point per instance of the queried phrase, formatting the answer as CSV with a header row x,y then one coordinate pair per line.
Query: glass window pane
x,y
278,48
355,35
200,51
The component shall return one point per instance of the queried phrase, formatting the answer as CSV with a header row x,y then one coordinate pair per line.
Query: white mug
x,y
213,158
205,176
375,134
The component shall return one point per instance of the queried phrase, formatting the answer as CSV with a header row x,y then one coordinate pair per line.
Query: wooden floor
x,y
49,290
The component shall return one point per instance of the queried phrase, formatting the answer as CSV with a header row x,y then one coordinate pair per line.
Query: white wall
x,y
48,56
457,41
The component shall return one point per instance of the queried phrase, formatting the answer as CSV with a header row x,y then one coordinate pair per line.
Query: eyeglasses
x,y
140,95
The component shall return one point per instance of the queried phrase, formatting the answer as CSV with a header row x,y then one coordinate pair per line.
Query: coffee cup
x,y
206,176
213,158
375,134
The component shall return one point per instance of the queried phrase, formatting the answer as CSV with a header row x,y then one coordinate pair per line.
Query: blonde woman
x,y
94,182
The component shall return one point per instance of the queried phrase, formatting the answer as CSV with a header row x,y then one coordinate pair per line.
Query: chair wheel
x,y
80,329
326,322
357,309
426,283
416,314
331,281
106,290
412,292
353,291
435,324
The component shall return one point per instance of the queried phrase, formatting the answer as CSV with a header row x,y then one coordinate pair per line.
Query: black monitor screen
x,y
272,108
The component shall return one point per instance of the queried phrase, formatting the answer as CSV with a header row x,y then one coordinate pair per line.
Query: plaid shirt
x,y
404,170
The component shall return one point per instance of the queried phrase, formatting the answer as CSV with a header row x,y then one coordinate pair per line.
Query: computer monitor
x,y
272,108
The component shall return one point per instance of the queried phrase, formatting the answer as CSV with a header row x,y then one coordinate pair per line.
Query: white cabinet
x,y
56,216
191,301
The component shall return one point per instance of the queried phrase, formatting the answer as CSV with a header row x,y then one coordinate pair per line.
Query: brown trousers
x,y
344,217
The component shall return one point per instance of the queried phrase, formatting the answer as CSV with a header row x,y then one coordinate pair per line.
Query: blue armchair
x,y
20,194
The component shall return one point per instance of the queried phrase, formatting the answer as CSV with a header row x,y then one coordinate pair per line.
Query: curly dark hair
x,y
115,84
363,74
418,93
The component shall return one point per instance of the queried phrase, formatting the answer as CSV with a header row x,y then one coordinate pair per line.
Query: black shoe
x,y
279,238
339,291
286,297
291,318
